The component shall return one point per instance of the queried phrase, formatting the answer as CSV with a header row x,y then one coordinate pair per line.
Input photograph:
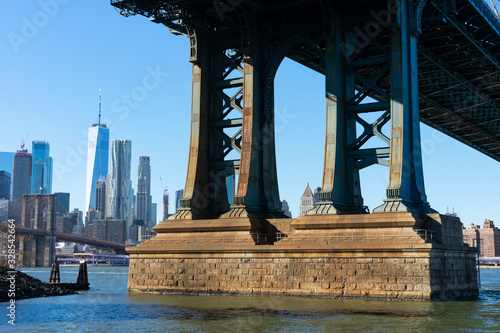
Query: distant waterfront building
x,y
5,182
286,208
21,183
108,229
100,197
143,196
178,196
62,203
92,215
79,228
77,215
41,182
116,230
135,230
486,239
118,182
97,158
64,223
68,249
98,229
306,201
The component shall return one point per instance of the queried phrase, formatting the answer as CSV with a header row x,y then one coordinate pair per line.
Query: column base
x,y
254,213
331,208
400,205
193,214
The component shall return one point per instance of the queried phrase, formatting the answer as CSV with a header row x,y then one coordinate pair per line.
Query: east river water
x,y
108,307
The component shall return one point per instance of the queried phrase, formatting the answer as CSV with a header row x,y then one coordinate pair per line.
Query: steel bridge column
x,y
257,195
205,191
405,192
339,178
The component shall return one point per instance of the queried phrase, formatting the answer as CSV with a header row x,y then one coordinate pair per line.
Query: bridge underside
x,y
403,62
375,56
458,55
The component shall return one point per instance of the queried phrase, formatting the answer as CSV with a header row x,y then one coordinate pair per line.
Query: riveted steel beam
x,y
370,72
257,193
340,192
405,192
215,107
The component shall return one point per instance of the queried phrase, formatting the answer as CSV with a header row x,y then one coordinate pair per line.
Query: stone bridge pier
x,y
38,211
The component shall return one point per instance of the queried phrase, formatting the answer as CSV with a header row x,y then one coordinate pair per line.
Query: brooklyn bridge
x,y
36,228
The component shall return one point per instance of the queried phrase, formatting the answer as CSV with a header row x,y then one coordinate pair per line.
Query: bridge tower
x,y
38,211
368,53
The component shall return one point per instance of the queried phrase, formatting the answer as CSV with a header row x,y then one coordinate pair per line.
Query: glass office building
x,y
41,182
97,160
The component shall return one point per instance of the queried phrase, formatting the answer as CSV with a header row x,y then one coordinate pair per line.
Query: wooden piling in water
x,y
55,275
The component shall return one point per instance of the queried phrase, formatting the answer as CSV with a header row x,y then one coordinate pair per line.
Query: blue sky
x,y
57,54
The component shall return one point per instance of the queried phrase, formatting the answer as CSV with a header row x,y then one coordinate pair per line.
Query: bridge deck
x,y
67,237
459,67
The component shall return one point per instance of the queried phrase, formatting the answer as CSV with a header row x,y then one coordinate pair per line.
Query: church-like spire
x,y
307,192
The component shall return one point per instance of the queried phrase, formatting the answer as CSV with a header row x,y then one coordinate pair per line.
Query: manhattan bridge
x,y
405,61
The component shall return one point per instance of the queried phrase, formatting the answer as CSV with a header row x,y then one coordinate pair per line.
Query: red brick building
x,y
486,239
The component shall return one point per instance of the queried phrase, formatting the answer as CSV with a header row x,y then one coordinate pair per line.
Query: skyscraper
x,y
5,180
154,208
306,201
7,164
21,184
165,204
41,182
62,204
118,183
100,197
97,157
143,195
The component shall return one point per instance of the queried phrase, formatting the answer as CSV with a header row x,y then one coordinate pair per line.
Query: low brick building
x,y
486,239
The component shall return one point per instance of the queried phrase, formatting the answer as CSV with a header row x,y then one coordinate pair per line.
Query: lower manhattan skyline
x,y
53,69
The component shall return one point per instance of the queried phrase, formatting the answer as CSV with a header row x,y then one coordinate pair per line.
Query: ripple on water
x,y
107,306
